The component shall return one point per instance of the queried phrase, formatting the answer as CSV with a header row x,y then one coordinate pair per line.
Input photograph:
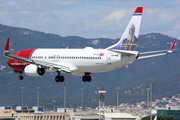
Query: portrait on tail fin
x,y
130,42
129,38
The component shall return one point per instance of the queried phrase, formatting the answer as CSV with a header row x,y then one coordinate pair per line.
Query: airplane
x,y
82,62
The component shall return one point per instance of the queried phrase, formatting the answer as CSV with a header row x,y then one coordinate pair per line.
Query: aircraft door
x,y
109,58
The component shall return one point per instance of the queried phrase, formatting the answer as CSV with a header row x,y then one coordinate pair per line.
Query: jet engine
x,y
34,70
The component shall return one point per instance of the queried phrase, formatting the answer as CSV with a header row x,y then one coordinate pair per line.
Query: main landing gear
x,y
86,77
59,78
20,77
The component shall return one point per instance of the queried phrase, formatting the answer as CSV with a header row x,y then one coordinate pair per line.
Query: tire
x,y
20,77
61,78
88,78
84,78
57,78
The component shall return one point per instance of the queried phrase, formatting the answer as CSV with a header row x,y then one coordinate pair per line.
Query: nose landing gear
x,y
20,77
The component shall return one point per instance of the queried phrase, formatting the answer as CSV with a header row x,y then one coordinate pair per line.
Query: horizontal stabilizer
x,y
149,56
144,55
152,52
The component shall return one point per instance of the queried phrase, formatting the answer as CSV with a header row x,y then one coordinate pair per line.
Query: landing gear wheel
x,y
59,78
20,77
86,78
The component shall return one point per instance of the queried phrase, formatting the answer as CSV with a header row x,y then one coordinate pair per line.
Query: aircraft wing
x,y
65,68
144,55
8,54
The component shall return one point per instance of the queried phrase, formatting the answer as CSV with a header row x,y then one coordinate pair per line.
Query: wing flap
x,y
55,66
61,68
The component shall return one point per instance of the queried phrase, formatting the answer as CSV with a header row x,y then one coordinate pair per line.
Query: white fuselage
x,y
81,61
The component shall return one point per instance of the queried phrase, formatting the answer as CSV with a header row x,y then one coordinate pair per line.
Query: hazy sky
x,y
91,18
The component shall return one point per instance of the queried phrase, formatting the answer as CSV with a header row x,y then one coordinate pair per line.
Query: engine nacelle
x,y
34,70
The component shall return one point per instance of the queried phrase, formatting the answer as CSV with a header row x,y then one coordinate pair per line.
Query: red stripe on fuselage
x,y
16,65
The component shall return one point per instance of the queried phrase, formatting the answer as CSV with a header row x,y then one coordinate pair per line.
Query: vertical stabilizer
x,y
129,39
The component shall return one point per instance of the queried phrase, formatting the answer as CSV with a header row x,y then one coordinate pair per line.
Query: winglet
x,y
172,46
6,49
